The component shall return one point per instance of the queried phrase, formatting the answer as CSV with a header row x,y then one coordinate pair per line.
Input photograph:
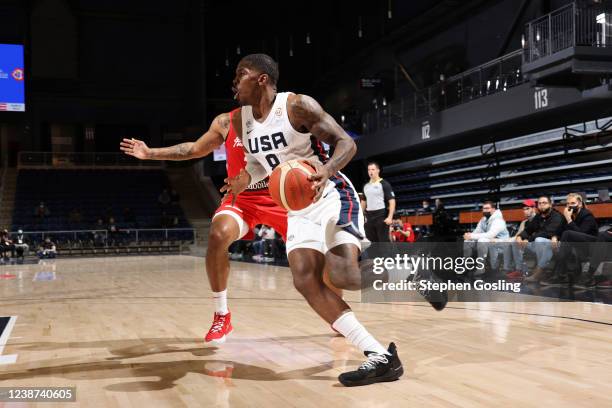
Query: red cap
x,y
529,203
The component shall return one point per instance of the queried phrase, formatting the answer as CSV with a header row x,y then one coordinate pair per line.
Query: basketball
x,y
289,185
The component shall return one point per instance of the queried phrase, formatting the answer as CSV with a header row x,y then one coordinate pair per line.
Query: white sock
x,y
349,327
220,302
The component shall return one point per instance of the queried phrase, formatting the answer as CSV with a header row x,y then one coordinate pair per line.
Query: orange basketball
x,y
289,185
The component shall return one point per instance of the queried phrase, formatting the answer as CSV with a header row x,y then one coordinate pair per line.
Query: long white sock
x,y
349,327
220,302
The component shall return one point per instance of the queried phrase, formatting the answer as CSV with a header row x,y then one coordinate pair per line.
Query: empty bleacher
x,y
555,162
98,193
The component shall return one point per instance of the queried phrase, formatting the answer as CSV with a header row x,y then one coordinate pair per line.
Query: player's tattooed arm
x,y
306,113
209,141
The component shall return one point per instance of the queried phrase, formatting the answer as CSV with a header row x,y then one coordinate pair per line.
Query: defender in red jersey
x,y
231,221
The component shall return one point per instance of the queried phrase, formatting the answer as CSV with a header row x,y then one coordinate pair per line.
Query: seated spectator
x,y
75,218
164,198
581,227
540,236
425,208
47,249
6,245
174,197
490,229
41,211
21,245
99,238
401,232
511,252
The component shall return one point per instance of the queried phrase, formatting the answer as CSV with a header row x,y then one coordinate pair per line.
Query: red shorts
x,y
252,208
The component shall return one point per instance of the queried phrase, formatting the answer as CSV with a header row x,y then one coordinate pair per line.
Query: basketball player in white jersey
x,y
277,127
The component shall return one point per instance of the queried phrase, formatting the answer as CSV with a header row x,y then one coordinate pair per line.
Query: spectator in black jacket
x,y
581,227
541,235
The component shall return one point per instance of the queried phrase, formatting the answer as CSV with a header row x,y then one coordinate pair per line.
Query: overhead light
x,y
238,50
307,38
523,41
359,31
384,101
538,36
389,12
342,118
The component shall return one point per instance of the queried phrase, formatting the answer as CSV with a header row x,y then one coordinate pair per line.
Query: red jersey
x,y
235,158
253,206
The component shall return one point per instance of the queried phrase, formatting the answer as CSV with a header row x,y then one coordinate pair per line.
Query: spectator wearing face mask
x,y
488,236
580,228
541,235
425,208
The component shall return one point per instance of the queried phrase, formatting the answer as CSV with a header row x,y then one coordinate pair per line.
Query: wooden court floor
x,y
127,332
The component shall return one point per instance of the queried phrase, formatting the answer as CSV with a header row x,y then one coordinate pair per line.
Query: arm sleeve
x,y
587,225
478,229
497,227
255,169
388,191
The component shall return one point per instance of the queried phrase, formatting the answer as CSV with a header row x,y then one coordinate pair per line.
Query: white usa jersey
x,y
275,141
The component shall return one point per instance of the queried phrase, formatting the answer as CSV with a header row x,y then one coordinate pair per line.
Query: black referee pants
x,y
375,228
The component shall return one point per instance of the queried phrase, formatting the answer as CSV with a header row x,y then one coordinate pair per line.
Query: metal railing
x,y
104,238
83,160
569,26
492,77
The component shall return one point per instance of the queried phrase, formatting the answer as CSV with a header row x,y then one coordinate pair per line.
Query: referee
x,y
380,205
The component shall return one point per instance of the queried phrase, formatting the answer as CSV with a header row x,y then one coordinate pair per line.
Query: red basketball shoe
x,y
221,327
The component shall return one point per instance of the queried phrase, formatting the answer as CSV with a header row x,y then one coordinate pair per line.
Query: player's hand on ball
x,y
319,178
236,185
135,147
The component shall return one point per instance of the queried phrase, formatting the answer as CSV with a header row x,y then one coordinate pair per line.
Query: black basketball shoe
x,y
377,368
437,299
